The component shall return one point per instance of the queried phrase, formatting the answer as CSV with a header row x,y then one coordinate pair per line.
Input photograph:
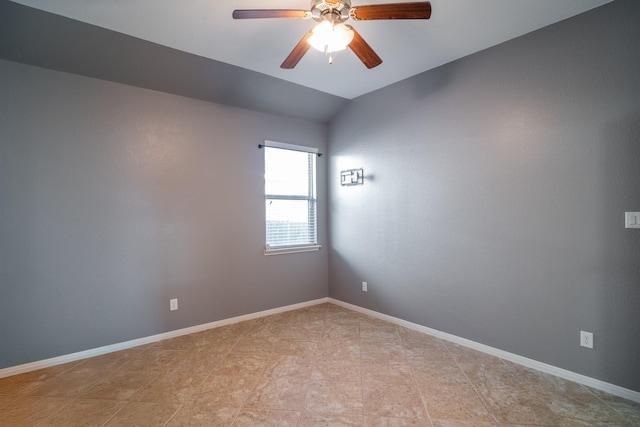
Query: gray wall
x,y
496,186
35,37
114,199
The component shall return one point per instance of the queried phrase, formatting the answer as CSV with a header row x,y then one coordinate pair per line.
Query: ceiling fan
x,y
331,34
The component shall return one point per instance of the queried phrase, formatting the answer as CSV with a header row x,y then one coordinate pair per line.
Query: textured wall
x,y
35,37
114,199
494,199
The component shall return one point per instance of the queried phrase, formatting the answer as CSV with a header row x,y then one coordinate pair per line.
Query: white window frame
x,y
312,196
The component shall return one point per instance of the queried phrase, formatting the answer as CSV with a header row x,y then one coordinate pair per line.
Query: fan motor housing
x,y
333,11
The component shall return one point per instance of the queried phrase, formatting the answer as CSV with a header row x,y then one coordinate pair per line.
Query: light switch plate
x,y
632,220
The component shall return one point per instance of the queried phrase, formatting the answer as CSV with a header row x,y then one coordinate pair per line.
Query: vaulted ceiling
x,y
246,54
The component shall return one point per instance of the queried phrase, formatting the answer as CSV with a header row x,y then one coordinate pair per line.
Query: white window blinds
x,y
290,198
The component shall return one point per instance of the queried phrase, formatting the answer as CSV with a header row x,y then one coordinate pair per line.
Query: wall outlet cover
x,y
632,219
586,339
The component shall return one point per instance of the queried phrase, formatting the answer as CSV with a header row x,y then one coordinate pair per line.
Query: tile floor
x,y
318,366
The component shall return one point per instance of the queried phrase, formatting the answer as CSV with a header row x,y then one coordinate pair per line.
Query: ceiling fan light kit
x,y
328,38
331,34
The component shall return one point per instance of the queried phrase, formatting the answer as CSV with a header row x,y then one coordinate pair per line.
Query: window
x,y
290,198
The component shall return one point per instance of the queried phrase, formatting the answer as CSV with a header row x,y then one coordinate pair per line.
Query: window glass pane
x,y
286,172
290,205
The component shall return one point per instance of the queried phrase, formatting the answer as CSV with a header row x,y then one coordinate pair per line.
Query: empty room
x,y
320,213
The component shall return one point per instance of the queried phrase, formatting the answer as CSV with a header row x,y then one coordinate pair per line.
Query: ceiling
x,y
205,28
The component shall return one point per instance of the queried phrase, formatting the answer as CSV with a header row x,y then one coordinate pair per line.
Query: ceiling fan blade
x,y
270,13
297,53
413,10
361,48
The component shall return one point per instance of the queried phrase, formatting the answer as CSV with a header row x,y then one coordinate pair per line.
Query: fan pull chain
x,y
327,52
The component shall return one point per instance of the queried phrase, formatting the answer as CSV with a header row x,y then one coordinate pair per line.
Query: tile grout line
x,y
413,378
253,387
304,406
255,382
471,383
173,415
360,364
54,412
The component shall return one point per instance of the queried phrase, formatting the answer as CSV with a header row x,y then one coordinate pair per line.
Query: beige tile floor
x,y
318,366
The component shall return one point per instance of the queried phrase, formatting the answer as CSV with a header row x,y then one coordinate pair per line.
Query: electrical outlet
x,y
586,339
632,220
364,287
173,304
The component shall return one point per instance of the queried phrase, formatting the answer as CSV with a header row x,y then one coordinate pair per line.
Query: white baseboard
x,y
520,360
28,367
529,363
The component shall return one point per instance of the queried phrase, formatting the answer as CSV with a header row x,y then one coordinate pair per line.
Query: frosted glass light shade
x,y
329,38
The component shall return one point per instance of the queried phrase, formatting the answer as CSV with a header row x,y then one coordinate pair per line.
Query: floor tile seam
x,y
75,365
415,384
139,390
173,415
333,414
520,382
486,406
248,407
612,411
362,390
20,398
69,397
307,413
254,386
235,416
335,382
213,368
98,398
161,401
324,327
598,420
114,414
160,376
150,371
231,349
426,409
158,346
240,411
452,344
611,406
58,410
112,373
199,384
34,392
619,412
421,395
307,390
575,400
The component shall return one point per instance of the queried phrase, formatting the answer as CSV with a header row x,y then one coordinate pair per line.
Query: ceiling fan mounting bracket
x,y
333,11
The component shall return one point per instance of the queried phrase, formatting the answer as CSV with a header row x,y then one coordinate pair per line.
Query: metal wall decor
x,y
352,177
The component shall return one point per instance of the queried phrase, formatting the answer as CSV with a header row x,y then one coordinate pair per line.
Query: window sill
x,y
292,250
